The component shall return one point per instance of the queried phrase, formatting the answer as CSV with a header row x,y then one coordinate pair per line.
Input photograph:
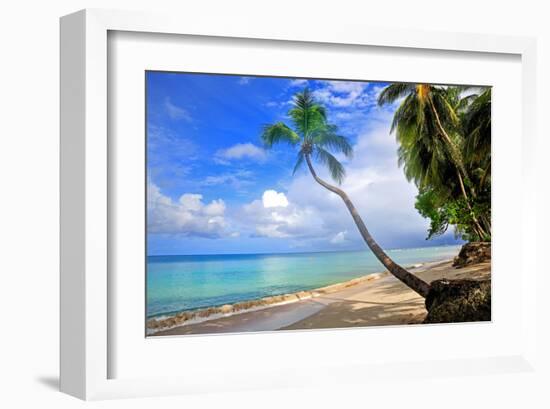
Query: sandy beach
x,y
378,299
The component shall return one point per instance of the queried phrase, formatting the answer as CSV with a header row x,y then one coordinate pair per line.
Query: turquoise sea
x,y
179,283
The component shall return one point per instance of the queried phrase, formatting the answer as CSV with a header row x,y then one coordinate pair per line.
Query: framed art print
x,y
235,188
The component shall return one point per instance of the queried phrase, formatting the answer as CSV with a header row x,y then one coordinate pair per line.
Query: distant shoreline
x,y
184,318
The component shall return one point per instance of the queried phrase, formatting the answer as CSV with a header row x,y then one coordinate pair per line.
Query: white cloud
x,y
241,151
175,112
276,217
237,179
342,94
166,150
348,94
339,237
297,82
188,216
244,80
271,198
279,104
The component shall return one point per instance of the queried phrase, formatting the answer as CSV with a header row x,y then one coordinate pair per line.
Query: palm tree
x,y
476,128
477,133
422,115
315,137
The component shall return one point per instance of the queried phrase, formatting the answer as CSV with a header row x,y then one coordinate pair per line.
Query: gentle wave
x,y
162,323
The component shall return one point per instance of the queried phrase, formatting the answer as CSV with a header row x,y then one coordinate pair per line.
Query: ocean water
x,y
179,283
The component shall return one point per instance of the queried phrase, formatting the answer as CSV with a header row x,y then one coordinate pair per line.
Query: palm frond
x,y
328,138
444,105
306,114
277,133
393,92
337,171
299,162
477,130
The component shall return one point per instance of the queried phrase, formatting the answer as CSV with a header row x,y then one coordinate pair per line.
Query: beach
x,y
372,300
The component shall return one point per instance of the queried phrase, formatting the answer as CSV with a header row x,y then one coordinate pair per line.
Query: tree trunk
x,y
477,227
484,176
412,281
459,168
486,223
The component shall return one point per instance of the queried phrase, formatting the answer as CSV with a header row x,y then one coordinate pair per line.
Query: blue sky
x,y
212,188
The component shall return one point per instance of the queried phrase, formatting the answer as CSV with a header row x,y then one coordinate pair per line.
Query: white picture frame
x,y
86,300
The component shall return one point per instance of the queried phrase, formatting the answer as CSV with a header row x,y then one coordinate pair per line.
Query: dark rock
x,y
473,253
458,301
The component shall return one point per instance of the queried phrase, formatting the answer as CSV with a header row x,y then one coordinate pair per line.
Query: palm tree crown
x,y
425,156
314,135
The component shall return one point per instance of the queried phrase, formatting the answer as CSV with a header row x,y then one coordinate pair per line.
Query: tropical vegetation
x,y
444,137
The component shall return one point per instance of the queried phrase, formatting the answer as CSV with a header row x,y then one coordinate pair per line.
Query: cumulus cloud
x,y
347,94
275,217
241,151
342,94
175,112
271,198
188,216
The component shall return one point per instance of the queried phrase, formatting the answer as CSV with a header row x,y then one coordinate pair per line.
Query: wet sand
x,y
382,300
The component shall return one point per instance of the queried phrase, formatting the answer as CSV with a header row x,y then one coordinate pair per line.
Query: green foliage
x,y
313,133
427,157
428,206
335,168
476,122
443,213
277,133
444,137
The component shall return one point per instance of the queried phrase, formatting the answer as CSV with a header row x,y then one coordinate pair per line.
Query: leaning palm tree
x,y
425,113
315,137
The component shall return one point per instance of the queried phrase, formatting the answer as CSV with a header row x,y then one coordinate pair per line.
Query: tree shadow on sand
x,y
362,313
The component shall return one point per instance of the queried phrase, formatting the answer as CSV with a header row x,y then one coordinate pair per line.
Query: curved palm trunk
x,y
412,281
459,171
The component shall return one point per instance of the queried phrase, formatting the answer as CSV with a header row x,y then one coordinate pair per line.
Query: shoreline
x,y
381,302
204,315
185,318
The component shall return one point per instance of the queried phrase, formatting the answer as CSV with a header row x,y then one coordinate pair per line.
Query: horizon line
x,y
300,252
